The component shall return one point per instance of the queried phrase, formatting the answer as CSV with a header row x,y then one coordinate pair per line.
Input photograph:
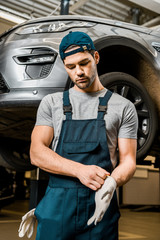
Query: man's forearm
x,y
124,172
127,161
50,161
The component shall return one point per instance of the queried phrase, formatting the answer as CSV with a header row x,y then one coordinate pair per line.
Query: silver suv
x,y
30,68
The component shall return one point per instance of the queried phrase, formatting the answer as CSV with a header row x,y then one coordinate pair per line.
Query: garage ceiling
x,y
133,11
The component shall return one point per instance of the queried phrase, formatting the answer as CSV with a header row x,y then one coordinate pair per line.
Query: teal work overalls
x,y
67,205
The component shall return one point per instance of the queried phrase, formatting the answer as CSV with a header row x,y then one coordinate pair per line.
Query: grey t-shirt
x,y
121,118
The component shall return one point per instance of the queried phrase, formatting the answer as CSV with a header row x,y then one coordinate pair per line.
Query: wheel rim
x,y
135,96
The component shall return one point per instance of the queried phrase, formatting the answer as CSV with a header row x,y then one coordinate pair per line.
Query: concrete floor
x,y
135,224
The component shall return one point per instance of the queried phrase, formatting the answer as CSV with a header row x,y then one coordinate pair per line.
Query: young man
x,y
84,126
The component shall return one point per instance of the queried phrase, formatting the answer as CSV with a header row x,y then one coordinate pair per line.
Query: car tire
x,y
130,88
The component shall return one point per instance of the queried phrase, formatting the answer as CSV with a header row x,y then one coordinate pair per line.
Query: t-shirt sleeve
x,y
44,113
129,123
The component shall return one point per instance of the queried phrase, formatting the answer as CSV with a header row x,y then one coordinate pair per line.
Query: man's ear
x,y
96,57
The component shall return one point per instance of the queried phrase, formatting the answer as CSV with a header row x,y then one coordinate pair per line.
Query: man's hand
x,y
102,199
92,176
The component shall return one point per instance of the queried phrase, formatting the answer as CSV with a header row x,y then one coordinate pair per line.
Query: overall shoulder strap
x,y
102,108
67,107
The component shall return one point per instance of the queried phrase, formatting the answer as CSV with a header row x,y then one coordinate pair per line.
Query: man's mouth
x,y
82,80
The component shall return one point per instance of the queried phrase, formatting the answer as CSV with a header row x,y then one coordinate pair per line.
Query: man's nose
x,y
79,70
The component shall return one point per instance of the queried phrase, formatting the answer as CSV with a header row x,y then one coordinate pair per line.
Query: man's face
x,y
82,69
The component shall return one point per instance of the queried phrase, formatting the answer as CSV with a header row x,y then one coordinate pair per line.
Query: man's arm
x,y
45,158
127,161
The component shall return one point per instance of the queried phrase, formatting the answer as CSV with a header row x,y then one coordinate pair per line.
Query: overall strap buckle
x,y
102,108
67,109
103,105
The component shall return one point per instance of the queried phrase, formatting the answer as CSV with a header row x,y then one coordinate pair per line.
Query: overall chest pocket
x,y
86,153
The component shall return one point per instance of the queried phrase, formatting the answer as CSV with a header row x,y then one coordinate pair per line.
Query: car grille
x,y
45,70
3,85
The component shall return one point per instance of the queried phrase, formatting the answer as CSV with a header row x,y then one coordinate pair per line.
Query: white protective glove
x,y
103,197
27,224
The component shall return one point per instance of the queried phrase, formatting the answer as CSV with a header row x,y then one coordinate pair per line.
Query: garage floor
x,y
135,224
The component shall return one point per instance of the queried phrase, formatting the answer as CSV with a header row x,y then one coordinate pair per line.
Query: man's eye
x,y
71,67
84,63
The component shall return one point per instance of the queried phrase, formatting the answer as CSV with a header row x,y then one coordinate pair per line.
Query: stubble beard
x,y
83,85
87,83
